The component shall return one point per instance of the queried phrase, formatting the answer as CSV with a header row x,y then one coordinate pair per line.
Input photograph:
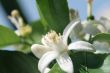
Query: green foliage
x,y
54,13
105,68
8,37
87,59
94,61
105,37
38,30
17,62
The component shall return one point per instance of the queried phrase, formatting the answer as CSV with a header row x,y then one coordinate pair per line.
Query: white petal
x,y
69,28
20,21
47,70
17,32
101,47
14,21
46,60
39,50
76,33
65,63
106,23
86,36
92,27
81,46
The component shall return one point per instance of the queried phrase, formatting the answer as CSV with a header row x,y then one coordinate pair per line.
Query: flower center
x,y
54,41
53,37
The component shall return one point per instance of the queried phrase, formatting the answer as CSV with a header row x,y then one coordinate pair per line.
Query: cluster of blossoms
x,y
91,27
22,29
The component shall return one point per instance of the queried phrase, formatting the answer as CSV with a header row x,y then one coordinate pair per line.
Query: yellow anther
x,y
15,13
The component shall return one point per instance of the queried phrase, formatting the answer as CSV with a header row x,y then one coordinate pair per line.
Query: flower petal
x,y
47,70
14,21
101,47
76,33
17,32
81,46
69,28
92,27
65,63
46,59
106,23
39,50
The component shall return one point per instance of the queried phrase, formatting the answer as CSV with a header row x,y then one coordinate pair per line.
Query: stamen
x,y
15,13
53,37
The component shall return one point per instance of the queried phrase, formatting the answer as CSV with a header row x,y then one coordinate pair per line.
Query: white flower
x,y
22,29
101,47
86,28
55,47
92,27
106,23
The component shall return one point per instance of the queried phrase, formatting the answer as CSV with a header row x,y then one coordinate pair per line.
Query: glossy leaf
x,y
8,37
105,37
17,62
54,13
105,68
38,31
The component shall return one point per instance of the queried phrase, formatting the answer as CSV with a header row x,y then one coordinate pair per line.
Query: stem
x,y
90,38
26,42
85,53
32,39
29,44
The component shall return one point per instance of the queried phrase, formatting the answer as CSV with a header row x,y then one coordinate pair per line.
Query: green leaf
x,y
94,61
105,68
17,62
38,30
54,13
88,59
105,37
7,37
